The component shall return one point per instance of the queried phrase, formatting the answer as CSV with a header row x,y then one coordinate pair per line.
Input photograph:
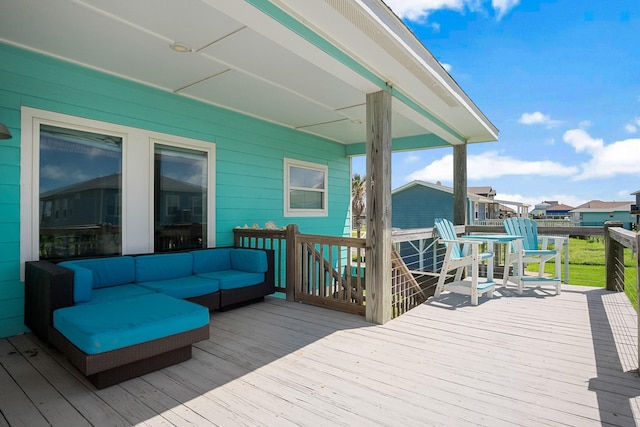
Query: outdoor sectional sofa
x,y
117,318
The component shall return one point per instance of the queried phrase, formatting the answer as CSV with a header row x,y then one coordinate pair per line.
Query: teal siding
x,y
418,206
597,219
249,153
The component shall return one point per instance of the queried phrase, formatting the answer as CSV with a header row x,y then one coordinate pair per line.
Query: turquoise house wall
x,y
418,206
249,153
599,218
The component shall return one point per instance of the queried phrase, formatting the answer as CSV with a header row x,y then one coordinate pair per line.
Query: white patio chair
x,y
533,250
461,254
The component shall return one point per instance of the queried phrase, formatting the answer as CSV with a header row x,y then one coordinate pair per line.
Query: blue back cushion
x,y
82,282
249,260
163,266
107,271
208,260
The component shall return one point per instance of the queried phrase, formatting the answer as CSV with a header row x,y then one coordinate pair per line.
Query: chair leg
x,y
441,279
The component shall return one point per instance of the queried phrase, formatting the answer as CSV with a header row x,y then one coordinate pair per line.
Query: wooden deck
x,y
532,360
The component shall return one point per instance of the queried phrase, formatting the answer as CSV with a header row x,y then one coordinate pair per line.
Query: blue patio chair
x,y
533,250
461,254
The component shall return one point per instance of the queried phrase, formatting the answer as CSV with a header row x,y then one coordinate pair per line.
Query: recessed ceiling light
x,y
180,47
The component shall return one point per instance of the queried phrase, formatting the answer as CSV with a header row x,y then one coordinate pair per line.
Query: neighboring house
x,y
260,111
558,210
418,203
596,213
485,191
635,210
551,209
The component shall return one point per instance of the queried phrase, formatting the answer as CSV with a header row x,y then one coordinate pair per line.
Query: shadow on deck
x,y
536,359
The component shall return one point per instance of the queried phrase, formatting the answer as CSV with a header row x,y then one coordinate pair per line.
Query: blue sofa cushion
x,y
233,279
150,268
107,271
117,292
110,325
82,282
208,260
183,287
248,260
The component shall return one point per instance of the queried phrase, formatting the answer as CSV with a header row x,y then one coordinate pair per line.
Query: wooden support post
x,y
291,262
378,210
614,255
460,184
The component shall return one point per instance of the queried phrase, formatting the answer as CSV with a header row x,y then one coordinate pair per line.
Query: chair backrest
x,y
524,227
447,231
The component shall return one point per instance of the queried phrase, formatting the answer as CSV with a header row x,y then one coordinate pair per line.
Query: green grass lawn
x,y
587,266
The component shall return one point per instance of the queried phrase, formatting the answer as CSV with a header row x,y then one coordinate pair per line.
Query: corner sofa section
x,y
120,317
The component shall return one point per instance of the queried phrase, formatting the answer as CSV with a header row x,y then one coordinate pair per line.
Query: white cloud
x,y
538,118
503,7
489,165
633,126
620,157
411,158
446,67
418,10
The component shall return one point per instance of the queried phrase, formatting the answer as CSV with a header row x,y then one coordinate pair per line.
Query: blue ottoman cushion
x,y
110,325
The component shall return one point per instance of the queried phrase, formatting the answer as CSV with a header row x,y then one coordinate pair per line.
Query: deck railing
x,y
616,240
329,272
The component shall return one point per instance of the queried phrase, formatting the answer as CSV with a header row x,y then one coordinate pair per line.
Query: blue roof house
x,y
131,122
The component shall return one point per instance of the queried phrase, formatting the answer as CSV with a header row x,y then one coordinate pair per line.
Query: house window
x,y
305,188
180,183
89,187
173,204
79,172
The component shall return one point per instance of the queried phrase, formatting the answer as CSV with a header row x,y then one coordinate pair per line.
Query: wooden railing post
x,y
292,261
614,256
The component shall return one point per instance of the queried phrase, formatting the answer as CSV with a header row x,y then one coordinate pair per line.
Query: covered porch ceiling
x,y
306,65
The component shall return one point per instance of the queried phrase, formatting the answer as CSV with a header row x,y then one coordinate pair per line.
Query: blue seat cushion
x,y
117,292
150,268
207,260
183,287
110,325
234,279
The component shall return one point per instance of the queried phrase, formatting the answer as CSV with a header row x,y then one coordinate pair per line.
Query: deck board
x,y
531,360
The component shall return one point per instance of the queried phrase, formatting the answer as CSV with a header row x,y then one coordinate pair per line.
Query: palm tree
x,y
358,194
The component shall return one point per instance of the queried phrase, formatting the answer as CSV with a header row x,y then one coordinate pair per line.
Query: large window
x,y
305,187
93,188
180,195
80,192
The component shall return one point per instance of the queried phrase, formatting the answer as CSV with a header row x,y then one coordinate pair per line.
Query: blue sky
x,y
561,81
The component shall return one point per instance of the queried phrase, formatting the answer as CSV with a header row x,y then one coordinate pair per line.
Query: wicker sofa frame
x,y
49,287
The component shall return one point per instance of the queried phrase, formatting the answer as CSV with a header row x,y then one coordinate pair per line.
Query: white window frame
x,y
137,181
288,212
189,144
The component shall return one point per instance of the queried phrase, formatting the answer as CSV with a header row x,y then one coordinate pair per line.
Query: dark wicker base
x,y
112,367
211,301
230,298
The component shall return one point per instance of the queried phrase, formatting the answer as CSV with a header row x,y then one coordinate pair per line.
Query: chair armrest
x,y
544,241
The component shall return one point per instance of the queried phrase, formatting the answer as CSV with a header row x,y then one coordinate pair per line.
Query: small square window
x,y
305,188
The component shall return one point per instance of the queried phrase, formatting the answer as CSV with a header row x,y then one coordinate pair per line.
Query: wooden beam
x,y
378,251
460,184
